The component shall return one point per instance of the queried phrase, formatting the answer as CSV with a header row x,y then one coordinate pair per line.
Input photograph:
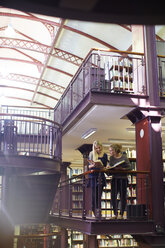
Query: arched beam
x,y
33,80
41,48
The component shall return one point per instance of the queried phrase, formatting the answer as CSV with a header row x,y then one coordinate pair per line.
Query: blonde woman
x,y
97,160
119,181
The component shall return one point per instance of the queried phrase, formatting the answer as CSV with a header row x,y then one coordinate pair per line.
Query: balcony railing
x,y
40,112
161,74
74,198
106,71
30,136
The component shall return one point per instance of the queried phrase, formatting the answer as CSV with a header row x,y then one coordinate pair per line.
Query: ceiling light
x,y
88,133
128,145
121,141
106,144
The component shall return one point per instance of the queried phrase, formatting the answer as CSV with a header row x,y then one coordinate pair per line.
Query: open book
x,y
117,164
97,163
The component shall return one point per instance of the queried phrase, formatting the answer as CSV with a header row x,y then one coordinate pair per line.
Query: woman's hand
x,y
91,165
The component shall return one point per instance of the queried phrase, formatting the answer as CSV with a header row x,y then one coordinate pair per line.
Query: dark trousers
x,y
96,197
119,185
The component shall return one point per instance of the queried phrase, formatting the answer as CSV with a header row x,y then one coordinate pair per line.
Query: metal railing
x,y
40,112
109,71
161,74
74,197
30,135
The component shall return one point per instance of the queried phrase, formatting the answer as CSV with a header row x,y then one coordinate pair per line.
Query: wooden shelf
x,y
120,68
121,78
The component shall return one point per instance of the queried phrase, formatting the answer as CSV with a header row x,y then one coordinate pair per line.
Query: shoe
x,y
113,217
120,217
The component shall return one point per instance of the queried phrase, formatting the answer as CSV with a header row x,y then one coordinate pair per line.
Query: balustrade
x,y
30,136
74,198
109,71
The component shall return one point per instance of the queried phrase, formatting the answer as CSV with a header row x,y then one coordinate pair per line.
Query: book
x,y
97,163
117,164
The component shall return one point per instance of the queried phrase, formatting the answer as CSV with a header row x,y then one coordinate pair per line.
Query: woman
x,y
97,160
119,180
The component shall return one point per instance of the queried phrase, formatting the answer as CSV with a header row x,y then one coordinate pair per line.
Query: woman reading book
x,y
97,160
119,183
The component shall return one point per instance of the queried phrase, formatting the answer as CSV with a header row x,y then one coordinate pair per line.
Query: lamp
x,y
122,141
124,145
88,133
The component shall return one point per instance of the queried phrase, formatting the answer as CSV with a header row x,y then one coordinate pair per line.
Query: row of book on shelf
x,y
131,192
117,243
106,240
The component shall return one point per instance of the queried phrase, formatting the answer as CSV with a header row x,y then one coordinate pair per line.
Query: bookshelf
x,y
32,236
104,241
121,76
76,239
77,197
123,241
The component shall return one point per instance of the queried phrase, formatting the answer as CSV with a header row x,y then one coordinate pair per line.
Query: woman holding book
x,y
119,183
97,161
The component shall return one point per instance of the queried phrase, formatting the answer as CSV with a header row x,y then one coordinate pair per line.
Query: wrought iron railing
x,y
30,135
74,198
40,112
109,71
161,74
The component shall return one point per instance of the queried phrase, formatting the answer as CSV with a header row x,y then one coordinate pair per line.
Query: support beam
x,y
64,238
91,241
151,65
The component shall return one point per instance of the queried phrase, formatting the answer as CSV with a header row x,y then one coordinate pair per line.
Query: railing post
x,y
98,72
98,198
61,101
71,98
70,199
51,142
83,206
160,76
60,200
83,76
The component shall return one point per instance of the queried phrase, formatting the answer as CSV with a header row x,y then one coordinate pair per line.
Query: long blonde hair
x,y
95,154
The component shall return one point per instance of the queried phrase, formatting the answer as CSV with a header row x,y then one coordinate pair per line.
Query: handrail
x,y
105,50
120,51
27,107
37,235
83,197
97,49
30,135
160,56
106,170
33,117
117,51
108,85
